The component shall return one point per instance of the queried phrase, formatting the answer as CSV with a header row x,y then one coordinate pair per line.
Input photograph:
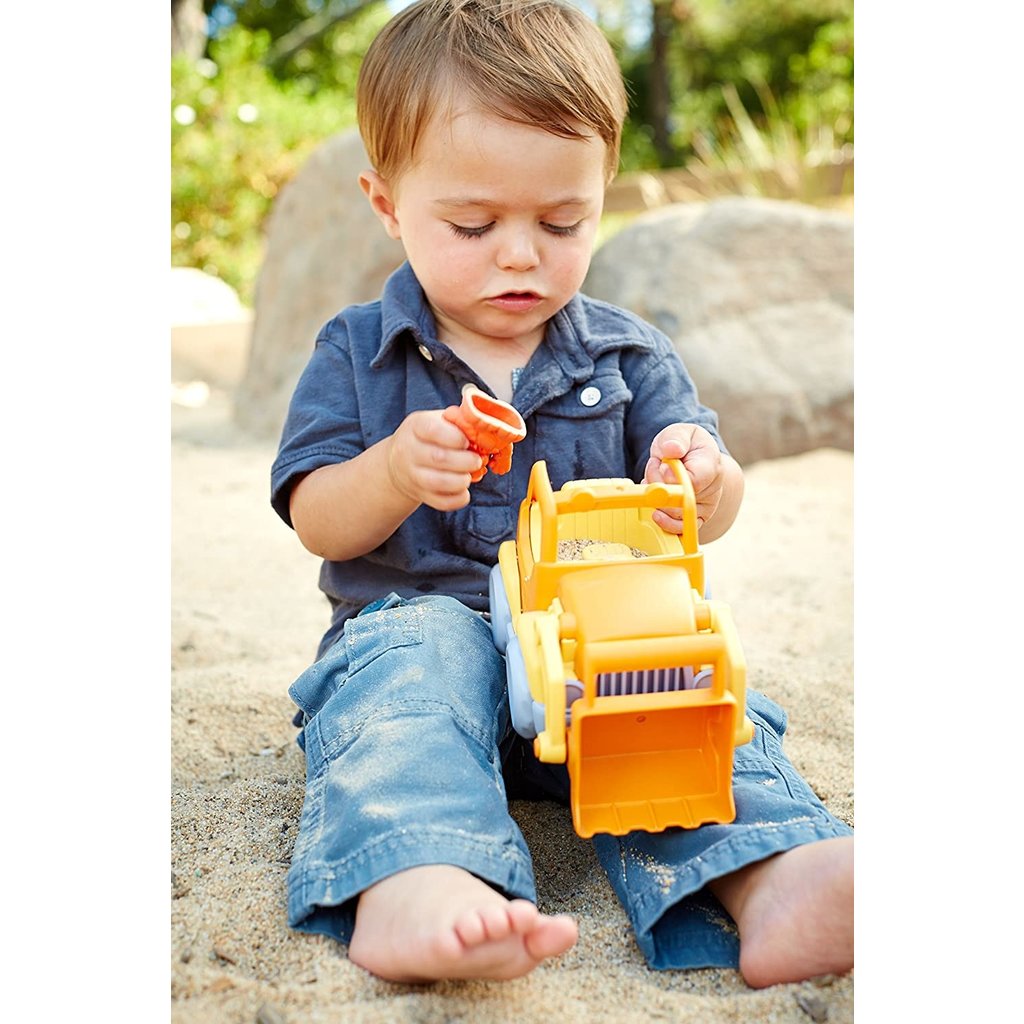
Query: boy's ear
x,y
381,201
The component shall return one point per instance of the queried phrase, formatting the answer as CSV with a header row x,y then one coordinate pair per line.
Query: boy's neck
x,y
494,362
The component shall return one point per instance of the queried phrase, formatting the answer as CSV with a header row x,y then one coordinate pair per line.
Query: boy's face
x,y
498,222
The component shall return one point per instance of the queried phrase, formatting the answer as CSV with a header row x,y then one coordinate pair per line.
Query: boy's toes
x,y
523,916
496,922
552,937
470,928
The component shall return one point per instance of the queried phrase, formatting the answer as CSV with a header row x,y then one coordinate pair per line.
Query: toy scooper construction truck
x,y
616,663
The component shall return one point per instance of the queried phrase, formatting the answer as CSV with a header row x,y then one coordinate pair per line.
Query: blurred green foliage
x,y
315,43
246,116
238,134
799,51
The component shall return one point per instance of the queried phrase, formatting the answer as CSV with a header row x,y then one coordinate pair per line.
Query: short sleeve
x,y
323,422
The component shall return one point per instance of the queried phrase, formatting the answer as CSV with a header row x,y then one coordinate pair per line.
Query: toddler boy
x,y
493,128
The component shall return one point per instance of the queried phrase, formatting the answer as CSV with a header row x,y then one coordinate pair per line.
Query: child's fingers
x,y
430,462
429,441
669,523
452,460
431,427
703,467
669,448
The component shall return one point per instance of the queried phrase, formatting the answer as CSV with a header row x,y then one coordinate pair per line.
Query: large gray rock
x,y
325,250
757,296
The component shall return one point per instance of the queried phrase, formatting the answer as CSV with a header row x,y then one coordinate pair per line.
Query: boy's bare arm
x,y
717,478
349,508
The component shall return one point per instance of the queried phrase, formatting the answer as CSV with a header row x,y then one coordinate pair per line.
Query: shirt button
x,y
590,396
425,352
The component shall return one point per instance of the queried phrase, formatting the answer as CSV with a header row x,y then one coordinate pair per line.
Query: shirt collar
x,y
403,307
576,334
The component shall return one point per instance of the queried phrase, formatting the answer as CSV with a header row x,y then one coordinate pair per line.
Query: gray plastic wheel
x,y
519,700
501,614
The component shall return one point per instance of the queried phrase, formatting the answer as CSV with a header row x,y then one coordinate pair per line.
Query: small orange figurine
x,y
491,427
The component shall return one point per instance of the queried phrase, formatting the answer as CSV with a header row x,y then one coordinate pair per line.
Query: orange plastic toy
x,y
617,665
491,427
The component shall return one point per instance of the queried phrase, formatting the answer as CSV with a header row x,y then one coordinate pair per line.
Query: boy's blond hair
x,y
541,63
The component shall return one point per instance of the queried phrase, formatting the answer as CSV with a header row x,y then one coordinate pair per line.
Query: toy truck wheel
x,y
501,614
520,701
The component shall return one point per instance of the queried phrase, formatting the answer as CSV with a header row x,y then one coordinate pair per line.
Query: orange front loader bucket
x,y
652,761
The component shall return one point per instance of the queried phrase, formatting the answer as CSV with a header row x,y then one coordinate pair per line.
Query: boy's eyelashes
x,y
460,232
562,231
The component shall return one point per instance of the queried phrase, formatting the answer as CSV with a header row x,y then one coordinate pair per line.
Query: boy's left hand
x,y
702,459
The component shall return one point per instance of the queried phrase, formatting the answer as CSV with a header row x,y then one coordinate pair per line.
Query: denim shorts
x,y
411,760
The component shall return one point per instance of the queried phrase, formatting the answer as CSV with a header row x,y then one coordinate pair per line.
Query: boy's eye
x,y
564,230
560,230
460,232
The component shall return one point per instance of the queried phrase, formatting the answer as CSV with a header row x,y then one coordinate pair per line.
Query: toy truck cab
x,y
616,663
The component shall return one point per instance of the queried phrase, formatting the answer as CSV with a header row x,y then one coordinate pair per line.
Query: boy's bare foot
x,y
794,912
440,922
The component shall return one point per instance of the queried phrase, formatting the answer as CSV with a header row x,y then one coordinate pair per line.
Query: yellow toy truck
x,y
616,662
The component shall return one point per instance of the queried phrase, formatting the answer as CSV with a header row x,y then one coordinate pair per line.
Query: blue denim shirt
x,y
594,395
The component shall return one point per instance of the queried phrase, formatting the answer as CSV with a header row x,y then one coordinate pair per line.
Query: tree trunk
x,y
661,30
188,28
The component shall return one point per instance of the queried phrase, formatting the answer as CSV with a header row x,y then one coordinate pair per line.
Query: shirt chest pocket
x,y
478,529
581,434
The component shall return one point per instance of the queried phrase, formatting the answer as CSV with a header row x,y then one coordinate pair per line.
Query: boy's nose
x,y
518,251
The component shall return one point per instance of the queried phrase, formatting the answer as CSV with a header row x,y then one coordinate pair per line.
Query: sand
x,y
246,617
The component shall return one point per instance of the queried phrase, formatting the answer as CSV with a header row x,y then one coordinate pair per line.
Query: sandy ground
x,y
246,616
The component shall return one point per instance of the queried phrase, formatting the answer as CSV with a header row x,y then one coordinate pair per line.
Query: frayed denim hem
x,y
679,924
322,899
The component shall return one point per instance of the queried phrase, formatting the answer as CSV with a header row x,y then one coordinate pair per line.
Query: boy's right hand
x,y
429,461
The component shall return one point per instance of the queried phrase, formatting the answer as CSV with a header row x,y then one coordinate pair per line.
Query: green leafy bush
x,y
824,80
237,136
